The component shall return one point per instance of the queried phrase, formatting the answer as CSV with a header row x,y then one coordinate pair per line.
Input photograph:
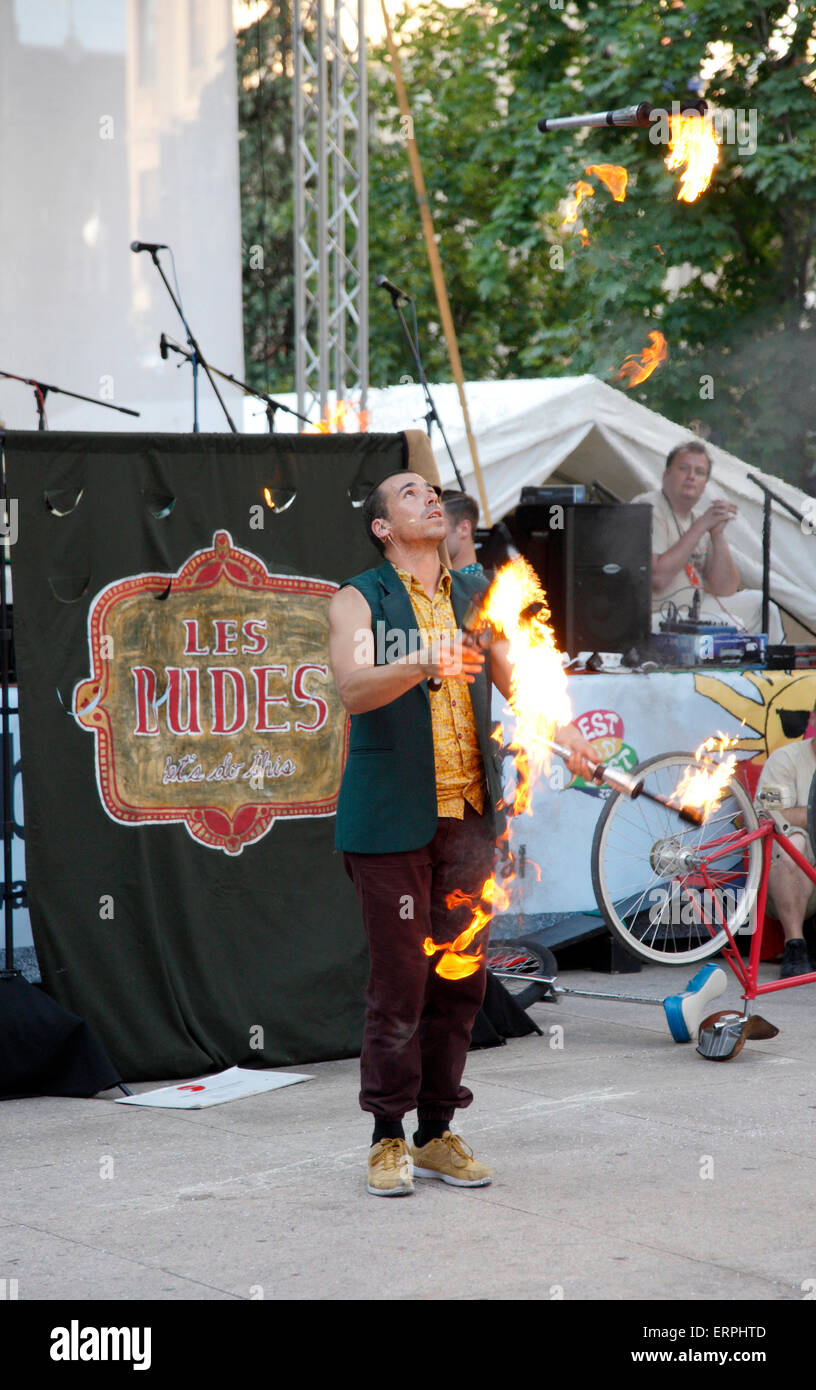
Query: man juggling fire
x,y
417,820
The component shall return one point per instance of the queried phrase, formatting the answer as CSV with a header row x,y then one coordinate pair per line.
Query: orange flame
x,y
453,967
343,418
514,609
454,964
538,692
693,149
700,787
582,190
637,369
614,176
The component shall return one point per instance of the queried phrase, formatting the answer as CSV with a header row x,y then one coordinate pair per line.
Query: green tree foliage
x,y
454,72
729,279
739,318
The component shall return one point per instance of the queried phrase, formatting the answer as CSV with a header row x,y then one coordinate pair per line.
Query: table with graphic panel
x,y
629,717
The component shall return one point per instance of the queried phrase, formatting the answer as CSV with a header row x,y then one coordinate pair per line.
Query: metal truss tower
x,y
331,203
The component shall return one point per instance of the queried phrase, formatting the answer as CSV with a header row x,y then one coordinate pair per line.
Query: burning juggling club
x,y
621,781
639,115
480,634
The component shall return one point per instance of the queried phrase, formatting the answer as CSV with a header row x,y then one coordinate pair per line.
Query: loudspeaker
x,y
594,563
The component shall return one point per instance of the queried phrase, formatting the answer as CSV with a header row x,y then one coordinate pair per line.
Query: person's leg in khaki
x,y
792,897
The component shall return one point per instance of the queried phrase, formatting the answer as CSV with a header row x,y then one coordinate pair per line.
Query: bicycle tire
x,y
653,839
511,961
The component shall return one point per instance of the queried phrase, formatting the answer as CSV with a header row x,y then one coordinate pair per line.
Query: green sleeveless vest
x,y
387,797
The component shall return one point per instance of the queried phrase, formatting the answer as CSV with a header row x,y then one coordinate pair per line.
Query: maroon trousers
x,y
417,1024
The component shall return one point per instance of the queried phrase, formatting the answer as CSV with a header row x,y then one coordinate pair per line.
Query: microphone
x,y
163,347
149,246
394,290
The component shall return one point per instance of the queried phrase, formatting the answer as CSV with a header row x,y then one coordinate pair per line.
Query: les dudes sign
x,y
211,700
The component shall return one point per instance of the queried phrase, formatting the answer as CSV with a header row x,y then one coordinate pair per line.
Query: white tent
x,y
579,430
582,430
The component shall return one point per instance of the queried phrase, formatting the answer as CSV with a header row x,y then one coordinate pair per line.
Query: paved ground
x,y
626,1167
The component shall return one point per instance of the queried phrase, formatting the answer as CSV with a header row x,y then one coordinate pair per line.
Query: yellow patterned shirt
x,y
458,758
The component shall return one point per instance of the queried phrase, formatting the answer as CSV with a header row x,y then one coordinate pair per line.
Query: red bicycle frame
x,y
747,975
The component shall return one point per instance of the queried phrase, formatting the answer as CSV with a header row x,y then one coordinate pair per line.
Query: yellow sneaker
x,y
389,1169
451,1160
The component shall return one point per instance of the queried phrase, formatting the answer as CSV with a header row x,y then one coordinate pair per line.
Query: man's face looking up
x,y
414,510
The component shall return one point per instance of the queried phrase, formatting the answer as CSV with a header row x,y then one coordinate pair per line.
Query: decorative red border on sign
x,y
210,825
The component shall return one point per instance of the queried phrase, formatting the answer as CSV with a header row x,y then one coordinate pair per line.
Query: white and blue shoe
x,y
685,1012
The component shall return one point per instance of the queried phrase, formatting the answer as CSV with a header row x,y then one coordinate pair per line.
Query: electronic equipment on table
x,y
709,644
781,657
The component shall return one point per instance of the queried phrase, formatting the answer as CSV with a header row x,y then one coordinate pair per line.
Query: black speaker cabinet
x,y
594,563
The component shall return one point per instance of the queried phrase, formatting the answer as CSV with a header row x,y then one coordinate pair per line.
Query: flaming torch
x,y
514,609
640,115
693,147
702,787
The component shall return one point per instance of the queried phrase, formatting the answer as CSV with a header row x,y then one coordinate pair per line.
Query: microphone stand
x,y
271,404
605,492
768,496
413,344
41,389
10,890
195,356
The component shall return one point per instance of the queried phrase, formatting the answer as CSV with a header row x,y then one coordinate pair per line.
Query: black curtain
x,y
182,958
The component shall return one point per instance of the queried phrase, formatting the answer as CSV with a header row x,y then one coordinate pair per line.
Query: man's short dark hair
x,y
691,446
460,507
375,508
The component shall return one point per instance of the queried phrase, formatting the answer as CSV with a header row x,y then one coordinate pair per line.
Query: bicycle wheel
x,y
513,962
647,862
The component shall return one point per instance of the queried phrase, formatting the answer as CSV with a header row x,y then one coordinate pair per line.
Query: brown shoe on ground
x,y
389,1169
450,1160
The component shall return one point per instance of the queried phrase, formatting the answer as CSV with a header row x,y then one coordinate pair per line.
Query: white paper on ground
x,y
234,1084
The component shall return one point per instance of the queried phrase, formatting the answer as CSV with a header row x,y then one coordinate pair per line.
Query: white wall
x,y
118,122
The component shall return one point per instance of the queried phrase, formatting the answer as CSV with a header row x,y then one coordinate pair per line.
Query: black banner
x,y
182,740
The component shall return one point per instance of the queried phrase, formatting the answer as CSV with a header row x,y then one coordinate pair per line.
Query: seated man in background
x,y
690,555
461,519
785,781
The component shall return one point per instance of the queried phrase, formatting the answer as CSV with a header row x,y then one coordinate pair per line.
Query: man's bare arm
x,y
361,685
720,573
673,560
